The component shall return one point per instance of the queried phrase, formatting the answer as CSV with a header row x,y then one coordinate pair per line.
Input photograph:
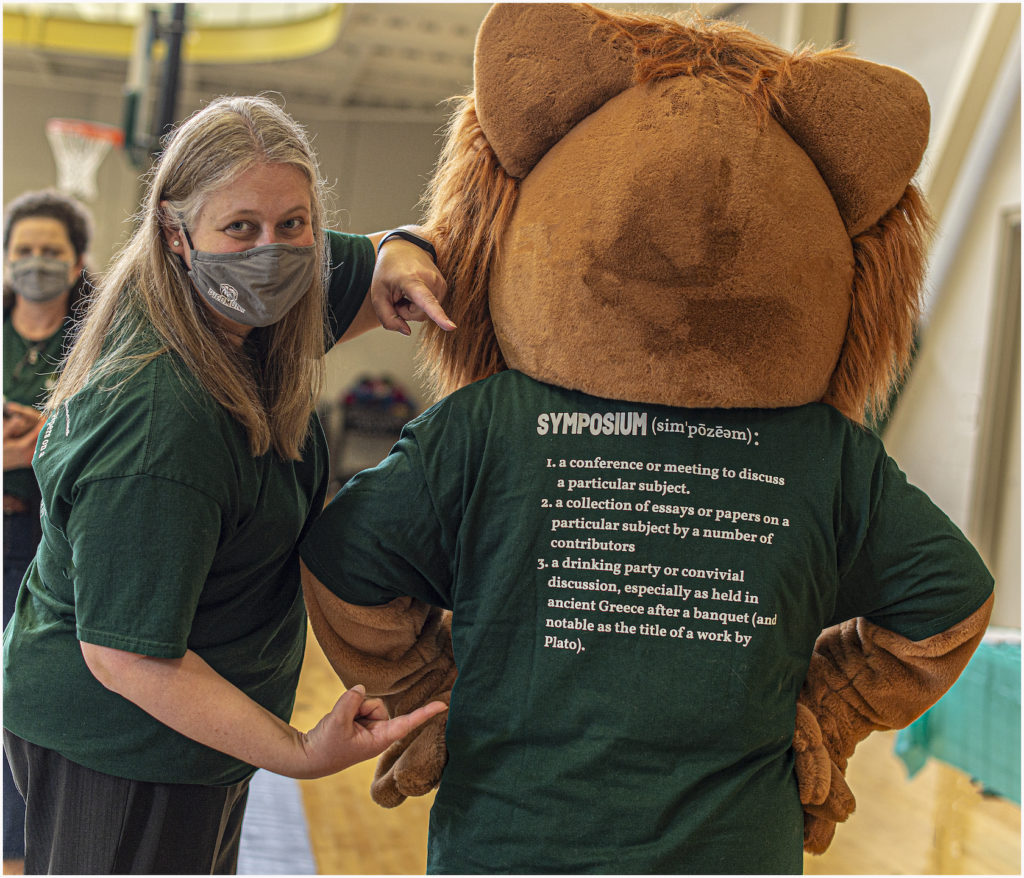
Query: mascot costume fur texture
x,y
679,579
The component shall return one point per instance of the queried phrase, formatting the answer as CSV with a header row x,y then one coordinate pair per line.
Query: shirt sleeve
x,y
381,537
142,549
907,568
352,258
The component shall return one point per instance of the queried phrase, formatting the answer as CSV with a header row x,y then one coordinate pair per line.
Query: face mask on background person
x,y
39,278
255,287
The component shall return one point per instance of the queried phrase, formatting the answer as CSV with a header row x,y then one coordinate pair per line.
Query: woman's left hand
x,y
407,286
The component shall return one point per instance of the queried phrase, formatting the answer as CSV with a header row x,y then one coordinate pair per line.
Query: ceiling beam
x,y
992,32
820,24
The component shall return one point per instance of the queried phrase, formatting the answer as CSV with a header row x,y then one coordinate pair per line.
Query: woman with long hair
x,y
158,634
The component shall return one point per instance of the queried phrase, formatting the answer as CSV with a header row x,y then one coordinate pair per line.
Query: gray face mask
x,y
255,287
40,278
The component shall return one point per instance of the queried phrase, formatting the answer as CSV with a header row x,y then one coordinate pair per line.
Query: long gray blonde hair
x,y
271,395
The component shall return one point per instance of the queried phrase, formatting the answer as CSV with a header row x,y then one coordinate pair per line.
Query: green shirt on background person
x,y
636,593
30,369
161,533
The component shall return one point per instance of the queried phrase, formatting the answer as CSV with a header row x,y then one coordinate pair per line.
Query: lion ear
x,y
865,127
539,69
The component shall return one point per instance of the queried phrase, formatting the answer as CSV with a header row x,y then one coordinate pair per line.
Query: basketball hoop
x,y
79,149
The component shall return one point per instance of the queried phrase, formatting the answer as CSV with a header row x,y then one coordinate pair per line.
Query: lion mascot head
x,y
678,212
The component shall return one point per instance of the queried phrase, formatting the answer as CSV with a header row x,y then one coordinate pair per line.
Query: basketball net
x,y
79,149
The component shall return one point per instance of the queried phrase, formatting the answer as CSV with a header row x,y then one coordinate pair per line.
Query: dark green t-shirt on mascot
x,y
30,370
636,593
161,533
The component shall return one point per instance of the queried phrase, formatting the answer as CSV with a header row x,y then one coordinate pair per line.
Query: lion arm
x,y
401,652
864,678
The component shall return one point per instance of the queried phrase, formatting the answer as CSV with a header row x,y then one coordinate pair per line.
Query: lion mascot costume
x,y
679,579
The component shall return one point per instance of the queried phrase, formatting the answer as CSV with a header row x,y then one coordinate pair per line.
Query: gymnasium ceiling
x,y
372,59
400,61
388,61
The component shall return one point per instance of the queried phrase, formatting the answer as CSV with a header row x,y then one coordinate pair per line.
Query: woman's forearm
x,y
187,695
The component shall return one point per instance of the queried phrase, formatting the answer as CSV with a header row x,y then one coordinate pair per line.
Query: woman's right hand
x,y
356,729
193,699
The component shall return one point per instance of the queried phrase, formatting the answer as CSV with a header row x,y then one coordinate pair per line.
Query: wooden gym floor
x,y
936,823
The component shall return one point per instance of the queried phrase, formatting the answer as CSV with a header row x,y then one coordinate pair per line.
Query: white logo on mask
x,y
228,296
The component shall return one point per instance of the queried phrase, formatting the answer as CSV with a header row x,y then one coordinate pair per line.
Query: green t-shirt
x,y
162,533
30,370
636,593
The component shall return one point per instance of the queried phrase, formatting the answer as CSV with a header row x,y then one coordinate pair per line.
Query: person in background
x,y
46,240
154,654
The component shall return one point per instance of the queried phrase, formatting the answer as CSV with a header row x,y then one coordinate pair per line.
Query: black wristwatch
x,y
422,243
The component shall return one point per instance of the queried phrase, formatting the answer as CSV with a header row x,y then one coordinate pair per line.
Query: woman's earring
x,y
176,243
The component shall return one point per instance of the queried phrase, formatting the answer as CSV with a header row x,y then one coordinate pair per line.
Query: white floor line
x,y
275,840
